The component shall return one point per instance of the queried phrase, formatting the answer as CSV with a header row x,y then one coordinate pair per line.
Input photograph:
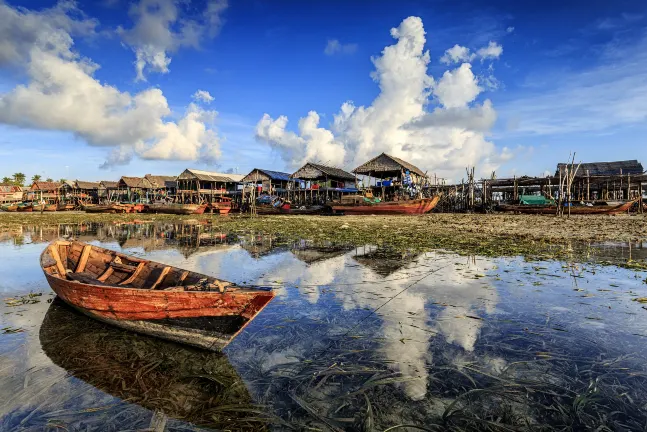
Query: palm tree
x,y
6,180
19,179
49,179
35,178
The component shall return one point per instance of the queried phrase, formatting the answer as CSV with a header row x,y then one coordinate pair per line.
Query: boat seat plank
x,y
136,273
123,267
106,274
161,277
84,259
53,251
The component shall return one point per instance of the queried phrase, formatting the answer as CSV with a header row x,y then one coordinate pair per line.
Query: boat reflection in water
x,y
173,380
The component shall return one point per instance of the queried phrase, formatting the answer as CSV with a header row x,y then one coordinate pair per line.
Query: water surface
x,y
358,338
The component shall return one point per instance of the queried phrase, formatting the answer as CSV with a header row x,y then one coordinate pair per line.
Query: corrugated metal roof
x,y
273,175
190,174
606,168
330,171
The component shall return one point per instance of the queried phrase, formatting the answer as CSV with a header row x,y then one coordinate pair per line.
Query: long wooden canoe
x,y
174,208
575,210
25,207
418,206
149,297
10,207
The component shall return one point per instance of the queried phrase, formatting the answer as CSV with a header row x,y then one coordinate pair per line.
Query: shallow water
x,y
356,339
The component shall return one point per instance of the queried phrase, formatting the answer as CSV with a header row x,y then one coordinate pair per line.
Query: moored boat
x,y
221,205
25,207
574,210
418,206
49,207
9,207
64,206
174,208
148,297
108,208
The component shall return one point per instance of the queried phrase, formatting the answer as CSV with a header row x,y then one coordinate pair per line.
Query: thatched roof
x,y
45,186
109,184
259,173
87,185
135,182
385,163
158,181
194,174
314,171
605,168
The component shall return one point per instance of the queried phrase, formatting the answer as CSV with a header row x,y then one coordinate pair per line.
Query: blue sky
x,y
572,76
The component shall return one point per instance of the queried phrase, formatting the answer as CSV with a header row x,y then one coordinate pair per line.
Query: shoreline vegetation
x,y
530,236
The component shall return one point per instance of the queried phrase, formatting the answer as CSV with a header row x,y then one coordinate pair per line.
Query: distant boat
x,y
9,207
107,208
174,208
574,210
363,207
221,205
64,207
148,297
25,207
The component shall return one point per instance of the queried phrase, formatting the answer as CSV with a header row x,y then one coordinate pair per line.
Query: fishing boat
x,y
221,205
25,207
574,210
108,208
149,297
64,206
49,207
174,208
358,205
9,207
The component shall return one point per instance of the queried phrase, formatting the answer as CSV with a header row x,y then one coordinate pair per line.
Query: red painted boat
x,y
575,210
221,205
418,206
149,297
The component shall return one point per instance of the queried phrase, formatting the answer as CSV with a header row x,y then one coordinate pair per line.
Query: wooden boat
x,y
108,208
9,207
418,206
221,205
64,207
22,207
49,207
203,381
575,210
179,209
148,297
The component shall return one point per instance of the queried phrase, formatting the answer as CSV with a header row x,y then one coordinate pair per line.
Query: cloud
x,y
160,30
509,29
610,94
456,54
203,96
461,54
61,93
445,140
492,51
335,47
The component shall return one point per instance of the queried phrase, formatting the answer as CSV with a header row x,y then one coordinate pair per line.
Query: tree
x,y
19,179
6,180
62,180
49,179
35,178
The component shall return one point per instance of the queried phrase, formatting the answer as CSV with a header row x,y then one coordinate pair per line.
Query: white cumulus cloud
x,y
492,51
203,96
160,30
444,140
61,93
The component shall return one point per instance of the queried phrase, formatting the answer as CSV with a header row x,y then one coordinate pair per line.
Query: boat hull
x,y
419,206
577,210
25,208
206,319
10,208
178,209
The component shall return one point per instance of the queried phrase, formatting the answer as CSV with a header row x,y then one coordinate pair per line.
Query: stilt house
x,y
204,186
320,183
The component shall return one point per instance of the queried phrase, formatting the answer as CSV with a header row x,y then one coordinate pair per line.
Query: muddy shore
x,y
489,235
